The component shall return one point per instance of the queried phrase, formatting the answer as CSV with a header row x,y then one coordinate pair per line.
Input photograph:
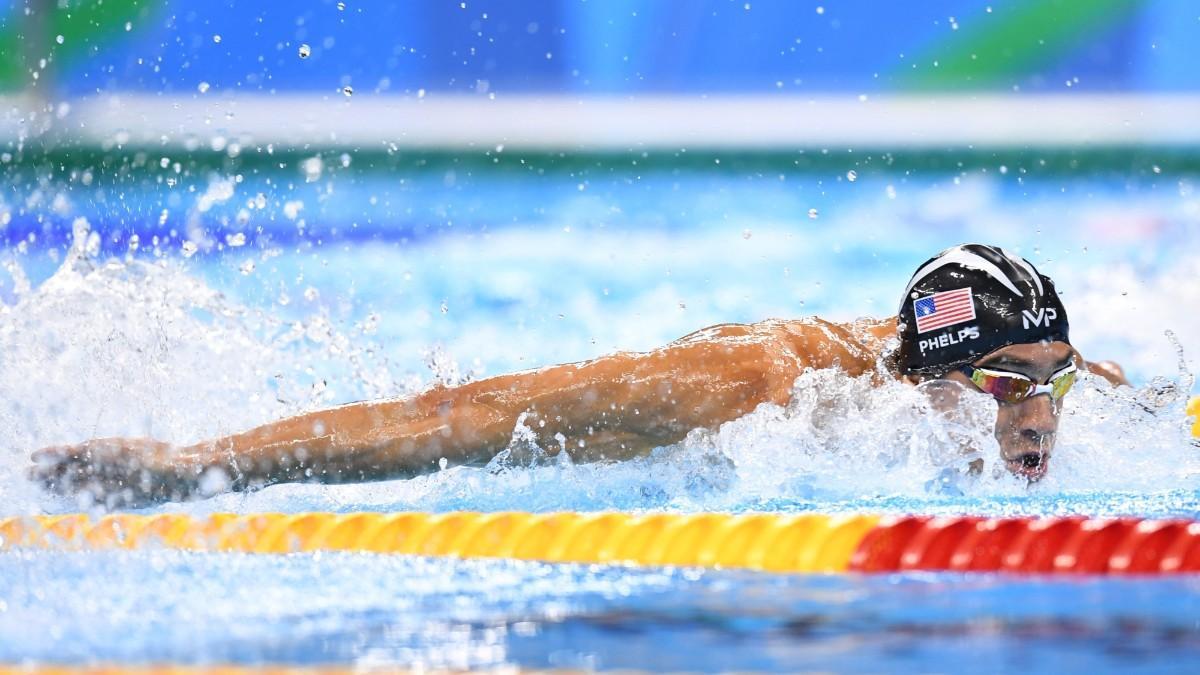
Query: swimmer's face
x,y
1026,430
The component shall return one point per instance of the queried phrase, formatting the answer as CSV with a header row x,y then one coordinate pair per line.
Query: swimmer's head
x,y
969,301
987,319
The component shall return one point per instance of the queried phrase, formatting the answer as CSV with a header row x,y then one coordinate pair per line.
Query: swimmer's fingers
x,y
98,466
52,465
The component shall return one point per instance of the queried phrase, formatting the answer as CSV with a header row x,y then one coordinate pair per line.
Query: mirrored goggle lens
x,y
1006,388
1062,384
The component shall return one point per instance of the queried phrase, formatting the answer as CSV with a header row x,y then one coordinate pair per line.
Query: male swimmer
x,y
974,314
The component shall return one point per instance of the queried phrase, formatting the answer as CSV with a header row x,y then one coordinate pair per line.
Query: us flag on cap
x,y
944,309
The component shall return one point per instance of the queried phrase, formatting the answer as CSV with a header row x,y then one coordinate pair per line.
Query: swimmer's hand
x,y
118,472
1109,370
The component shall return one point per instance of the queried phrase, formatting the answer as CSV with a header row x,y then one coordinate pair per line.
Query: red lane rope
x,y
1070,545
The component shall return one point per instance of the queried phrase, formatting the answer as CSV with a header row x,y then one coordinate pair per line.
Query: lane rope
x,y
768,542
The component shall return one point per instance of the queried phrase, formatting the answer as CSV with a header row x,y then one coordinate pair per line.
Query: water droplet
x,y
291,209
202,87
311,294
445,307
341,6
128,26
851,175
442,463
746,234
236,239
305,51
247,267
820,9
371,324
59,39
312,167
348,91
189,249
813,213
1156,169
217,39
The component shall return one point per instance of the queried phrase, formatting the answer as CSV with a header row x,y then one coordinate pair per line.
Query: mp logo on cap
x,y
1043,316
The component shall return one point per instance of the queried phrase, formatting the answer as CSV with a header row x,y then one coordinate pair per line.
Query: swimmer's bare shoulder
x,y
613,407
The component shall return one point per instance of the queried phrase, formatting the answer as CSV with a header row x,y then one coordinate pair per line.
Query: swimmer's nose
x,y
1037,419
1027,437
1041,439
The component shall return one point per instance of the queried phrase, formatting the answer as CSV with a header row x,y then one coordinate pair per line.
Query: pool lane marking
x,y
770,542
783,543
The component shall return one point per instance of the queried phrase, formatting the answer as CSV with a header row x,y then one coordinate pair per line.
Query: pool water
x,y
372,610
278,293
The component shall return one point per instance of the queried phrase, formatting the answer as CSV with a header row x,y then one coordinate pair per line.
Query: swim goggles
x,y
1014,387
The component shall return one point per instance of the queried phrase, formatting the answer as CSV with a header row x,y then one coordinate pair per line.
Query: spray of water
x,y
142,348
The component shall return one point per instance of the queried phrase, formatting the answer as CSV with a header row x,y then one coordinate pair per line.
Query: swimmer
x,y
975,315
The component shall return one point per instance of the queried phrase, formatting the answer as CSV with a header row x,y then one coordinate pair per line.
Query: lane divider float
x,y
768,542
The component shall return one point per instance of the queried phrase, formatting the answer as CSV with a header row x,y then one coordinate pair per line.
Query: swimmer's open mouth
x,y
1031,465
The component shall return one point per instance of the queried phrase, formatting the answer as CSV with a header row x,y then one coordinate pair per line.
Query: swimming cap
x,y
970,300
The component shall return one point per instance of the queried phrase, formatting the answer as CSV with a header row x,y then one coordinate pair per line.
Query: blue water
x,y
392,282
371,610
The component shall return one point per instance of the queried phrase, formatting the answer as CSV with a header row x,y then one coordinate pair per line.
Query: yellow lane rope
x,y
778,543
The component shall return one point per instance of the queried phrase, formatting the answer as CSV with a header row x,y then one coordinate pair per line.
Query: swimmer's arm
x,y
613,407
1109,370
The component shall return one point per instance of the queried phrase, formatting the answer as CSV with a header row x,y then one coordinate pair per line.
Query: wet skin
x,y
1026,430
610,408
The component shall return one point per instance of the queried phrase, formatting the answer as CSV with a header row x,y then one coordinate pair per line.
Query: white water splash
x,y
143,349
842,443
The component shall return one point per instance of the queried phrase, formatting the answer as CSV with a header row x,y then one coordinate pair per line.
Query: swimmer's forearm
x,y
392,439
609,408
361,441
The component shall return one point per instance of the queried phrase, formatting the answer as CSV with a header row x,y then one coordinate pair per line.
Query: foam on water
x,y
143,347
843,443
139,347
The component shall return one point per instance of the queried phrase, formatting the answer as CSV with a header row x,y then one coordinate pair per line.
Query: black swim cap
x,y
970,300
